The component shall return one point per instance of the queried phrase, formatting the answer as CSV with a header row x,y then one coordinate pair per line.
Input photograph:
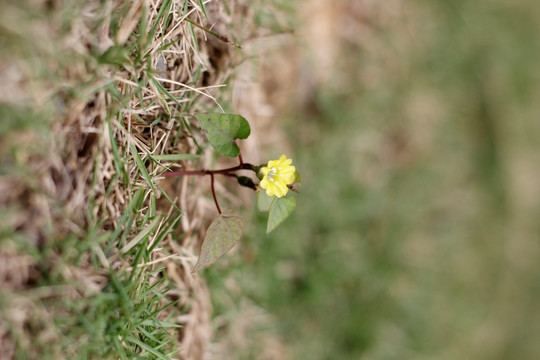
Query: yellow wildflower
x,y
277,174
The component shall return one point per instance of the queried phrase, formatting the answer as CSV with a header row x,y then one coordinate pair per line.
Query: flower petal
x,y
287,170
288,178
280,187
286,162
276,175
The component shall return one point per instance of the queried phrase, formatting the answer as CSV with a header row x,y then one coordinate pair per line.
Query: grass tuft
x,y
96,250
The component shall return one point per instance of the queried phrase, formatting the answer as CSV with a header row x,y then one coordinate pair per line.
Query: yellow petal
x,y
286,162
283,174
287,170
288,178
280,188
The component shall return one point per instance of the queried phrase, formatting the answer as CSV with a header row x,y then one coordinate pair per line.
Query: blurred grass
x,y
416,230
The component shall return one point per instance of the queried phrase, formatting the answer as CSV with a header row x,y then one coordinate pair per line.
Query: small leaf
x,y
222,235
222,130
264,201
280,210
297,177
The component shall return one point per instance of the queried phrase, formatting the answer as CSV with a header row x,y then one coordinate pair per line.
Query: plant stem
x,y
240,159
226,172
242,166
214,192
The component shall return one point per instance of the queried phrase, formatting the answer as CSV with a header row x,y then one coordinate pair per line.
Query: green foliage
x,y
221,236
264,201
280,210
222,130
297,177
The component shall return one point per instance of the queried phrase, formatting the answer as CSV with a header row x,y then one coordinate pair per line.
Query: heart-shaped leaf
x,y
222,235
280,210
264,201
222,129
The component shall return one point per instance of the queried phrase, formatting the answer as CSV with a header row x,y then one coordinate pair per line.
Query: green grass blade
x,y
163,11
144,346
174,157
203,8
141,236
165,232
141,167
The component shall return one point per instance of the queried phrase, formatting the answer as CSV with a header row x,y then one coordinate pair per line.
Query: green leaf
x,y
222,130
280,210
297,177
222,235
264,201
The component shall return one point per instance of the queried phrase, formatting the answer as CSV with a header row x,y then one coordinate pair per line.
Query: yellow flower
x,y
277,174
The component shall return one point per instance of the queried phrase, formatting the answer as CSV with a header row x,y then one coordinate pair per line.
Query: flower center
x,y
271,174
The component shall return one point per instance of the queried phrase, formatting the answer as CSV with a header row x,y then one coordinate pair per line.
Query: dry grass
x,y
92,93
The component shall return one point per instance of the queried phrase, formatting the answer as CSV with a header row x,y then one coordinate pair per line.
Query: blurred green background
x,y
416,229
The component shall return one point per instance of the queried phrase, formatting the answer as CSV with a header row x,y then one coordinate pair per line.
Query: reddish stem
x,y
226,172
214,192
292,189
243,166
240,159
